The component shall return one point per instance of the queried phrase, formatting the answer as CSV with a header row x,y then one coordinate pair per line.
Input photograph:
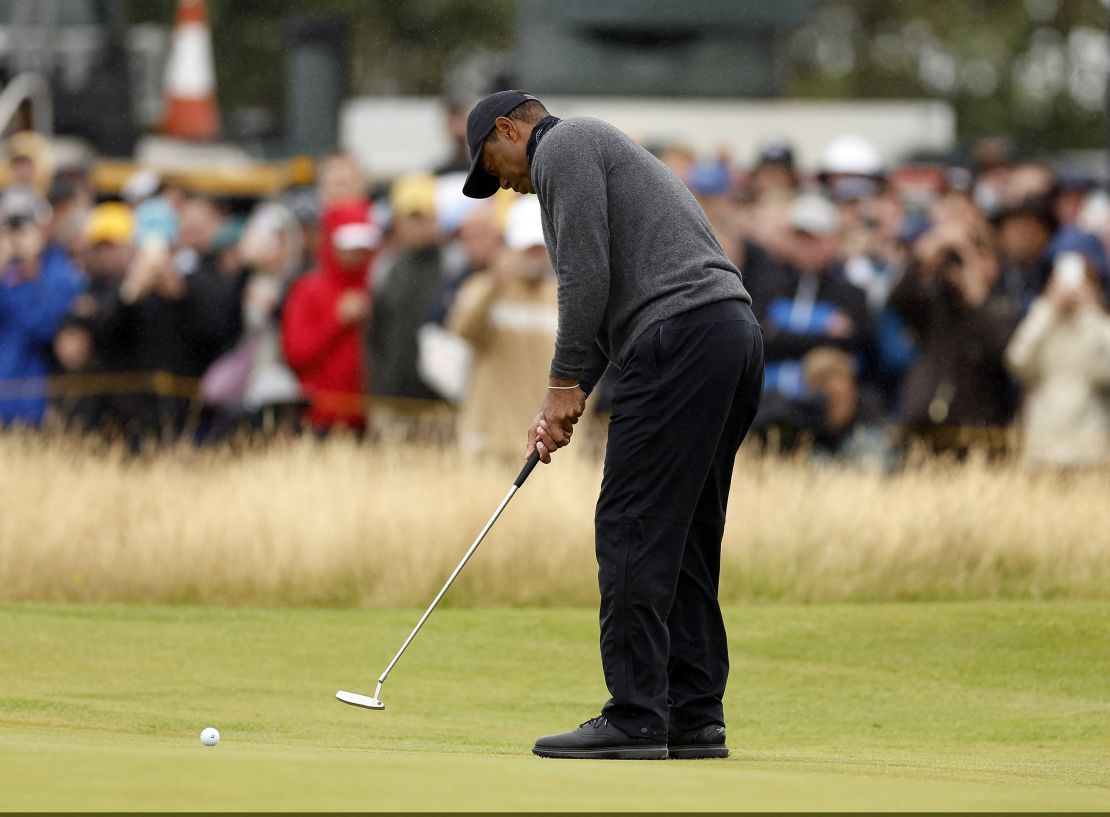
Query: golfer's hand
x,y
546,438
554,425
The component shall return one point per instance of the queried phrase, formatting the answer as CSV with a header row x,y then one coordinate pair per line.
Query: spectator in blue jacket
x,y
38,281
808,303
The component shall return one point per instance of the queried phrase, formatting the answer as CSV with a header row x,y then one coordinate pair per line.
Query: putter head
x,y
354,699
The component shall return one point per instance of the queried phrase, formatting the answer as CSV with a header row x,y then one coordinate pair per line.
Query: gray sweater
x,y
628,242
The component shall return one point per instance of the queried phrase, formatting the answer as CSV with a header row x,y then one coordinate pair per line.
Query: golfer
x,y
642,284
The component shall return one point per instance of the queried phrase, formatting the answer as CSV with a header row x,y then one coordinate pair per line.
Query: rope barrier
x,y
162,384
166,384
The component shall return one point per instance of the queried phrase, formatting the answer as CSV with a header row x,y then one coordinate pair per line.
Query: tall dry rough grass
x,y
339,523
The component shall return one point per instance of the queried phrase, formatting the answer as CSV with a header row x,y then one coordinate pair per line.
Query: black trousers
x,y
682,404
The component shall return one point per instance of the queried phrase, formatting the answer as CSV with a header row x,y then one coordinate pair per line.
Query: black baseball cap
x,y
479,124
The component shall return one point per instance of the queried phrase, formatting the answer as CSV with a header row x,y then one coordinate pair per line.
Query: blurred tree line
x,y
1033,70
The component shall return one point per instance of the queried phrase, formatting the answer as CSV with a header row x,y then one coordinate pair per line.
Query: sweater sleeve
x,y
571,180
593,368
1023,354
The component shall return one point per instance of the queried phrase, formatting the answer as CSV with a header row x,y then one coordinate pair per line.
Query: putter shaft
x,y
528,466
443,590
531,464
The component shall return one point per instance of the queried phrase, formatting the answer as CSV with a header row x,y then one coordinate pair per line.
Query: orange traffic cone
x,y
191,111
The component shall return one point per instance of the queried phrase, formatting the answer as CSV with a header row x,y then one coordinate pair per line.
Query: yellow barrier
x,y
250,180
256,180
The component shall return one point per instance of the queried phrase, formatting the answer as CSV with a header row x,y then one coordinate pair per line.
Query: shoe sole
x,y
623,753
696,752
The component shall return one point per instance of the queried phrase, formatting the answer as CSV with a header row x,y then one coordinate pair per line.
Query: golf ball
x,y
210,736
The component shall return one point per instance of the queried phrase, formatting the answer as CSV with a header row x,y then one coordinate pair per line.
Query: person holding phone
x,y
957,394
1061,354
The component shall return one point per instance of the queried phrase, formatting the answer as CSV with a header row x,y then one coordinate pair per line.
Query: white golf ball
x,y
210,736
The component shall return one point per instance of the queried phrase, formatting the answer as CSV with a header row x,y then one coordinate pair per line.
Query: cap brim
x,y
479,184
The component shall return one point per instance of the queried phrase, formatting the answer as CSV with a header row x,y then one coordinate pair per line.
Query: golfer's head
x,y
497,132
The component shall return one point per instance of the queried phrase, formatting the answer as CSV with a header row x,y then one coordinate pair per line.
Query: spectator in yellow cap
x,y
108,252
112,222
109,234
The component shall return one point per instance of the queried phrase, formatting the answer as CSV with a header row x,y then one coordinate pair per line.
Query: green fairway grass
x,y
895,706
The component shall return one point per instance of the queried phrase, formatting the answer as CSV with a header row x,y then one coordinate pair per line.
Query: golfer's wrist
x,y
562,383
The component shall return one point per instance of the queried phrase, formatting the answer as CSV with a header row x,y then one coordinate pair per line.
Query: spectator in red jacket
x,y
324,317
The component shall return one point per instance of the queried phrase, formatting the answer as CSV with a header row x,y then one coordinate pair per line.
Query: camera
x,y
951,259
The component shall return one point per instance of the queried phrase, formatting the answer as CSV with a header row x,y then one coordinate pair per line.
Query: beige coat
x,y
511,325
1064,364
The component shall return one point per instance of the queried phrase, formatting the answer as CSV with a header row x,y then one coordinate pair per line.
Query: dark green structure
x,y
656,47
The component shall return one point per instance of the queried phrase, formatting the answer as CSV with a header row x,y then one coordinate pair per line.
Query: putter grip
x,y
527,469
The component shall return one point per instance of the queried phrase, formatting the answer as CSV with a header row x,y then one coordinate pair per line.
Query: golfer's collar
x,y
542,127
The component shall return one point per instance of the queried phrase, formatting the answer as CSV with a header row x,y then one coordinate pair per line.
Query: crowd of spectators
x,y
952,306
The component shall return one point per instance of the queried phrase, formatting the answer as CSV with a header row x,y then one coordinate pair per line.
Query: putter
x,y
375,701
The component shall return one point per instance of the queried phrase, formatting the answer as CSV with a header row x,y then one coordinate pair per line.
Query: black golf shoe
x,y
597,739
709,741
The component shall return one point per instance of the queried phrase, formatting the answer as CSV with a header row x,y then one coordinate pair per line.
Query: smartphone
x,y
1070,270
